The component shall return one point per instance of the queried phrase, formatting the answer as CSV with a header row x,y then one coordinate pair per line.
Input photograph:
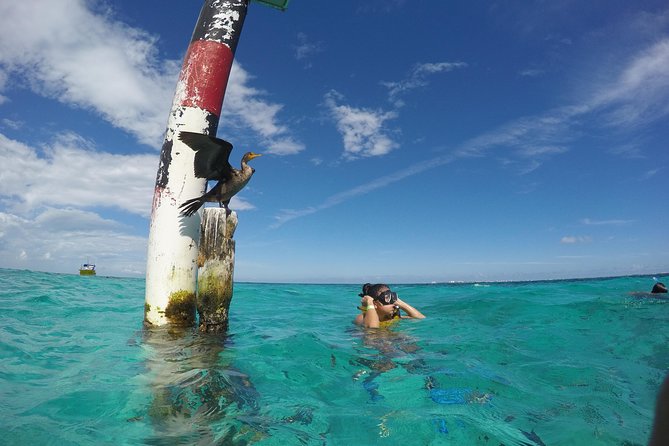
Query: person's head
x,y
384,299
379,292
659,287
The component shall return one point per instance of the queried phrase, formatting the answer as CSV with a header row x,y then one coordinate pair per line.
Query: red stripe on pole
x,y
204,75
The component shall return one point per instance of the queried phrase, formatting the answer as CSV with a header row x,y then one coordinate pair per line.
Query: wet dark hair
x,y
379,292
659,287
365,290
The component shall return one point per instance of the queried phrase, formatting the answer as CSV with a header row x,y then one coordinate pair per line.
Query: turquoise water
x,y
554,363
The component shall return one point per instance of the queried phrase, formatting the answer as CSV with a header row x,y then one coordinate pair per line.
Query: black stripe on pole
x,y
223,28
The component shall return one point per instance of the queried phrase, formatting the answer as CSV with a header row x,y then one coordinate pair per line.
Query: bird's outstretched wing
x,y
211,155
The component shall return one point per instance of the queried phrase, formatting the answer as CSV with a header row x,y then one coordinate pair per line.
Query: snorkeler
x,y
379,304
658,288
659,291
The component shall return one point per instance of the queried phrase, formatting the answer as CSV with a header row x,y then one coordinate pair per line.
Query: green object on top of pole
x,y
278,4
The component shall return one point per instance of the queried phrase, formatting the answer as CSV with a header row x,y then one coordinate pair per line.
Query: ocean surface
x,y
536,363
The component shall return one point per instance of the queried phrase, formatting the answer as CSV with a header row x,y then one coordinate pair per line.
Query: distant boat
x,y
87,269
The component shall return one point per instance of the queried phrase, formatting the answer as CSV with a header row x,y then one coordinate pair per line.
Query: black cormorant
x,y
211,162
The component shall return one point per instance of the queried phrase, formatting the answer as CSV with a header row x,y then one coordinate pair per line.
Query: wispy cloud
x,y
12,124
306,49
531,72
287,215
3,81
574,239
590,222
640,92
629,150
245,106
651,173
418,78
535,139
362,130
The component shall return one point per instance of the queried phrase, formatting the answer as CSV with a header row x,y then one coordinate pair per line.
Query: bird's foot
x,y
227,209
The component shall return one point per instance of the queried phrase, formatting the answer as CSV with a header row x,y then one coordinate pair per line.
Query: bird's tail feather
x,y
189,207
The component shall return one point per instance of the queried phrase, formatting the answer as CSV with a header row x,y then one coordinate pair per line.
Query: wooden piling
x,y
216,262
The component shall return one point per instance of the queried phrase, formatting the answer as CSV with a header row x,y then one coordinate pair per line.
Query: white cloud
x,y
91,61
590,222
630,150
362,129
533,139
418,78
573,239
531,151
531,72
305,49
72,173
45,193
284,146
640,92
64,51
244,106
651,173
61,239
3,81
12,124
287,215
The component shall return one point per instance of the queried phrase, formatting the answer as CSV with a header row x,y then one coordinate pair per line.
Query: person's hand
x,y
366,300
408,309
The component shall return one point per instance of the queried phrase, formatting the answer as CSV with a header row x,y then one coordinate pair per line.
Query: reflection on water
x,y
383,350
198,397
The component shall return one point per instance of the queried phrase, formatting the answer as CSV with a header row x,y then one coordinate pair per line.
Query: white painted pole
x,y
171,271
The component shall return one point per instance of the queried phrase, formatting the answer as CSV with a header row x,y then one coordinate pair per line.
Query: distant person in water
x,y
659,291
380,305
659,287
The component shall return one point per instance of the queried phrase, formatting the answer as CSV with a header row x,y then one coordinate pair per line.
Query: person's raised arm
x,y
371,317
409,310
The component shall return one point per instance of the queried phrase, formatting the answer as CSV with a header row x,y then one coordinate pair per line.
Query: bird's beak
x,y
254,155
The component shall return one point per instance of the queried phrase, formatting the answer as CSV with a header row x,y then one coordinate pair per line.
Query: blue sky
x,y
405,141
